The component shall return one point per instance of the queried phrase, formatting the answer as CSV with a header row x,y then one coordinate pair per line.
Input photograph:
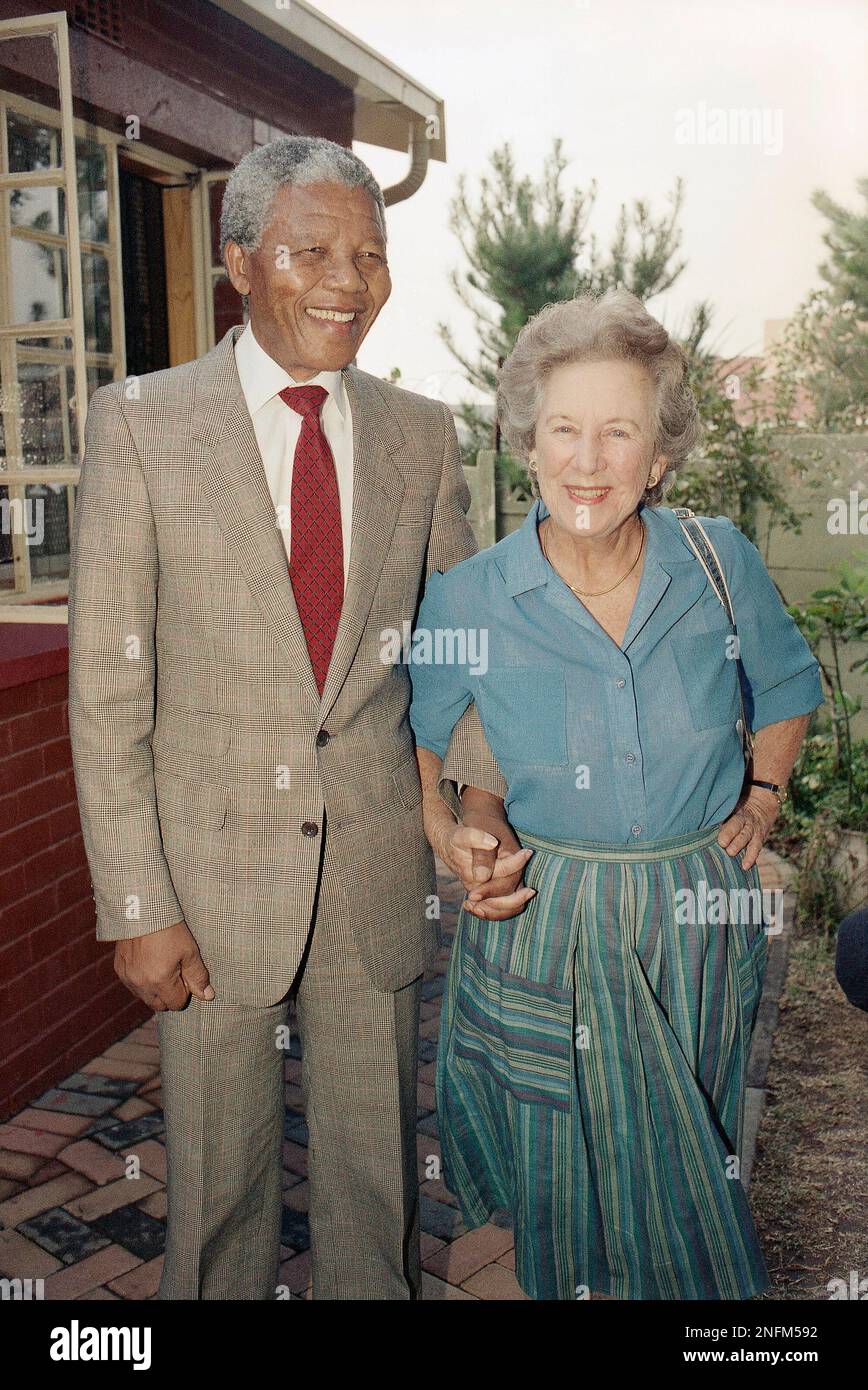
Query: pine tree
x,y
846,271
822,359
527,244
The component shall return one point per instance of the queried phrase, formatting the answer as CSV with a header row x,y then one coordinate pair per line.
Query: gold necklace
x,y
598,593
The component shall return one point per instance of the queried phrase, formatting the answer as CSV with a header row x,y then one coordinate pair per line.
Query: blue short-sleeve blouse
x,y
600,742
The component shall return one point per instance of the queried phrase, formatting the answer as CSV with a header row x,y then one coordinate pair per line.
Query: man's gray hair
x,y
293,159
614,326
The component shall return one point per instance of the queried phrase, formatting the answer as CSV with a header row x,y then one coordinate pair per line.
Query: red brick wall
x,y
60,1001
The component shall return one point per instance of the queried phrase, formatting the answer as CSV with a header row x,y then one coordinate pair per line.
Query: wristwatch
x,y
780,792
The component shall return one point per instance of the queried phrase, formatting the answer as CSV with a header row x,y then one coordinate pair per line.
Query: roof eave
x,y
389,103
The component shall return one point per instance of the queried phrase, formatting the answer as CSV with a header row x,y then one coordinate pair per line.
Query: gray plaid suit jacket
x,y
193,710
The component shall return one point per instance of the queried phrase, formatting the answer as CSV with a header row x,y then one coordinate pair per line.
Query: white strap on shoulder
x,y
720,567
725,596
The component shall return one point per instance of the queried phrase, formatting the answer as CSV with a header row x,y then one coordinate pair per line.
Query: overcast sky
x,y
632,87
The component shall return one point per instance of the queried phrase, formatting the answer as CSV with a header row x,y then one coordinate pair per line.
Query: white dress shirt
x,y
277,428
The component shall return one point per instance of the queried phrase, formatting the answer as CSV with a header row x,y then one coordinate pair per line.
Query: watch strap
x,y
779,791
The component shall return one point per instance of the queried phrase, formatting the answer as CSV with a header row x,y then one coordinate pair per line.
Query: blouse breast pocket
x,y
525,708
709,677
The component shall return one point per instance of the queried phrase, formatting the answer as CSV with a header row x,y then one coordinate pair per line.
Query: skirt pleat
x,y
592,1069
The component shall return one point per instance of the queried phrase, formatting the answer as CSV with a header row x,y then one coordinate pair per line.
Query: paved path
x,y
70,1216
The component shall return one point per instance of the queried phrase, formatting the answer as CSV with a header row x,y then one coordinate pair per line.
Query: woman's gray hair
x,y
293,159
614,326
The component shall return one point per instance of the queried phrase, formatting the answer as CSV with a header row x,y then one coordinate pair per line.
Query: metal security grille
x,y
101,17
144,270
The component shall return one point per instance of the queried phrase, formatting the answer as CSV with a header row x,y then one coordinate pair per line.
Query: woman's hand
x,y
749,825
481,850
477,857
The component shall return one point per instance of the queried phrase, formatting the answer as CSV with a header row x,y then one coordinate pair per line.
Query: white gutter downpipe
x,y
412,182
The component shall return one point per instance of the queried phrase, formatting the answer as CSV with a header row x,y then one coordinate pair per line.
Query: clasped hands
x,y
484,853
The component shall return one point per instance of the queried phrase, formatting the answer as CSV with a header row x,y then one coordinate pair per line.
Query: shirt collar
x,y
262,378
521,561
524,566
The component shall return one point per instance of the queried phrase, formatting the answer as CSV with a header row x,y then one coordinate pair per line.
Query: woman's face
x,y
594,446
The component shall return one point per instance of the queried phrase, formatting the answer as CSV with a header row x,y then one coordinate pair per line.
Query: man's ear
x,y
235,261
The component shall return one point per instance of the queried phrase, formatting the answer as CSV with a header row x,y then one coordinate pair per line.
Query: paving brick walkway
x,y
71,1217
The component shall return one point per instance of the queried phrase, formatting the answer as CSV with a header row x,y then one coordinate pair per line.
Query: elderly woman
x,y
595,1038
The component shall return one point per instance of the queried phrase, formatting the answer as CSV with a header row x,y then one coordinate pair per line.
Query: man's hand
x,y
748,827
487,855
489,869
501,894
163,968
481,849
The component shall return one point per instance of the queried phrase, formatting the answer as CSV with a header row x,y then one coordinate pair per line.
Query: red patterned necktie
x,y
316,553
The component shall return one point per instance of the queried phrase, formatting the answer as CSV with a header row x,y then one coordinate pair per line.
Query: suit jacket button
x,y
310,827
322,738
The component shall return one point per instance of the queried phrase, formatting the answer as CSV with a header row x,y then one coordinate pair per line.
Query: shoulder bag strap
x,y
700,543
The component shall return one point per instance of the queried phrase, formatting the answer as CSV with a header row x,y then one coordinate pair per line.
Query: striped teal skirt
x,y
592,1066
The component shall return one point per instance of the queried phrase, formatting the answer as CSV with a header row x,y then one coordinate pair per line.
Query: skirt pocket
x,y
751,972
519,1032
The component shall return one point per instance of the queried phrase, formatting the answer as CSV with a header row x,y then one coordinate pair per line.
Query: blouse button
x,y
635,830
621,683
629,757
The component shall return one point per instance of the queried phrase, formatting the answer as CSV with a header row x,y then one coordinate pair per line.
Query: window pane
x,y
47,522
45,415
92,191
32,145
97,302
98,376
39,208
39,281
43,393
7,521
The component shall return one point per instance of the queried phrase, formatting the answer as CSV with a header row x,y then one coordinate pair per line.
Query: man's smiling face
x,y
317,280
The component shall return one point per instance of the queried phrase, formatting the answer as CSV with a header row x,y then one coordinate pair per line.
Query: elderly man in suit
x,y
248,527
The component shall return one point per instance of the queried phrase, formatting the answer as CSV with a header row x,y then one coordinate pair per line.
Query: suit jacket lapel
x,y
237,489
378,489
236,486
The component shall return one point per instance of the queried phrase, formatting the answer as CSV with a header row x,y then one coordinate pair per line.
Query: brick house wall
x,y
199,80
60,1001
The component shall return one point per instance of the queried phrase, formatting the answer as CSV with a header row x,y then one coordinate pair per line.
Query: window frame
x,y
28,601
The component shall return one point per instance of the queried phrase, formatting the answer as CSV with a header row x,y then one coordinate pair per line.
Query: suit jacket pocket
x,y
188,802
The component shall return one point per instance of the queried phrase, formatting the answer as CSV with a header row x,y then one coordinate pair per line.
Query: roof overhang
x,y
389,104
